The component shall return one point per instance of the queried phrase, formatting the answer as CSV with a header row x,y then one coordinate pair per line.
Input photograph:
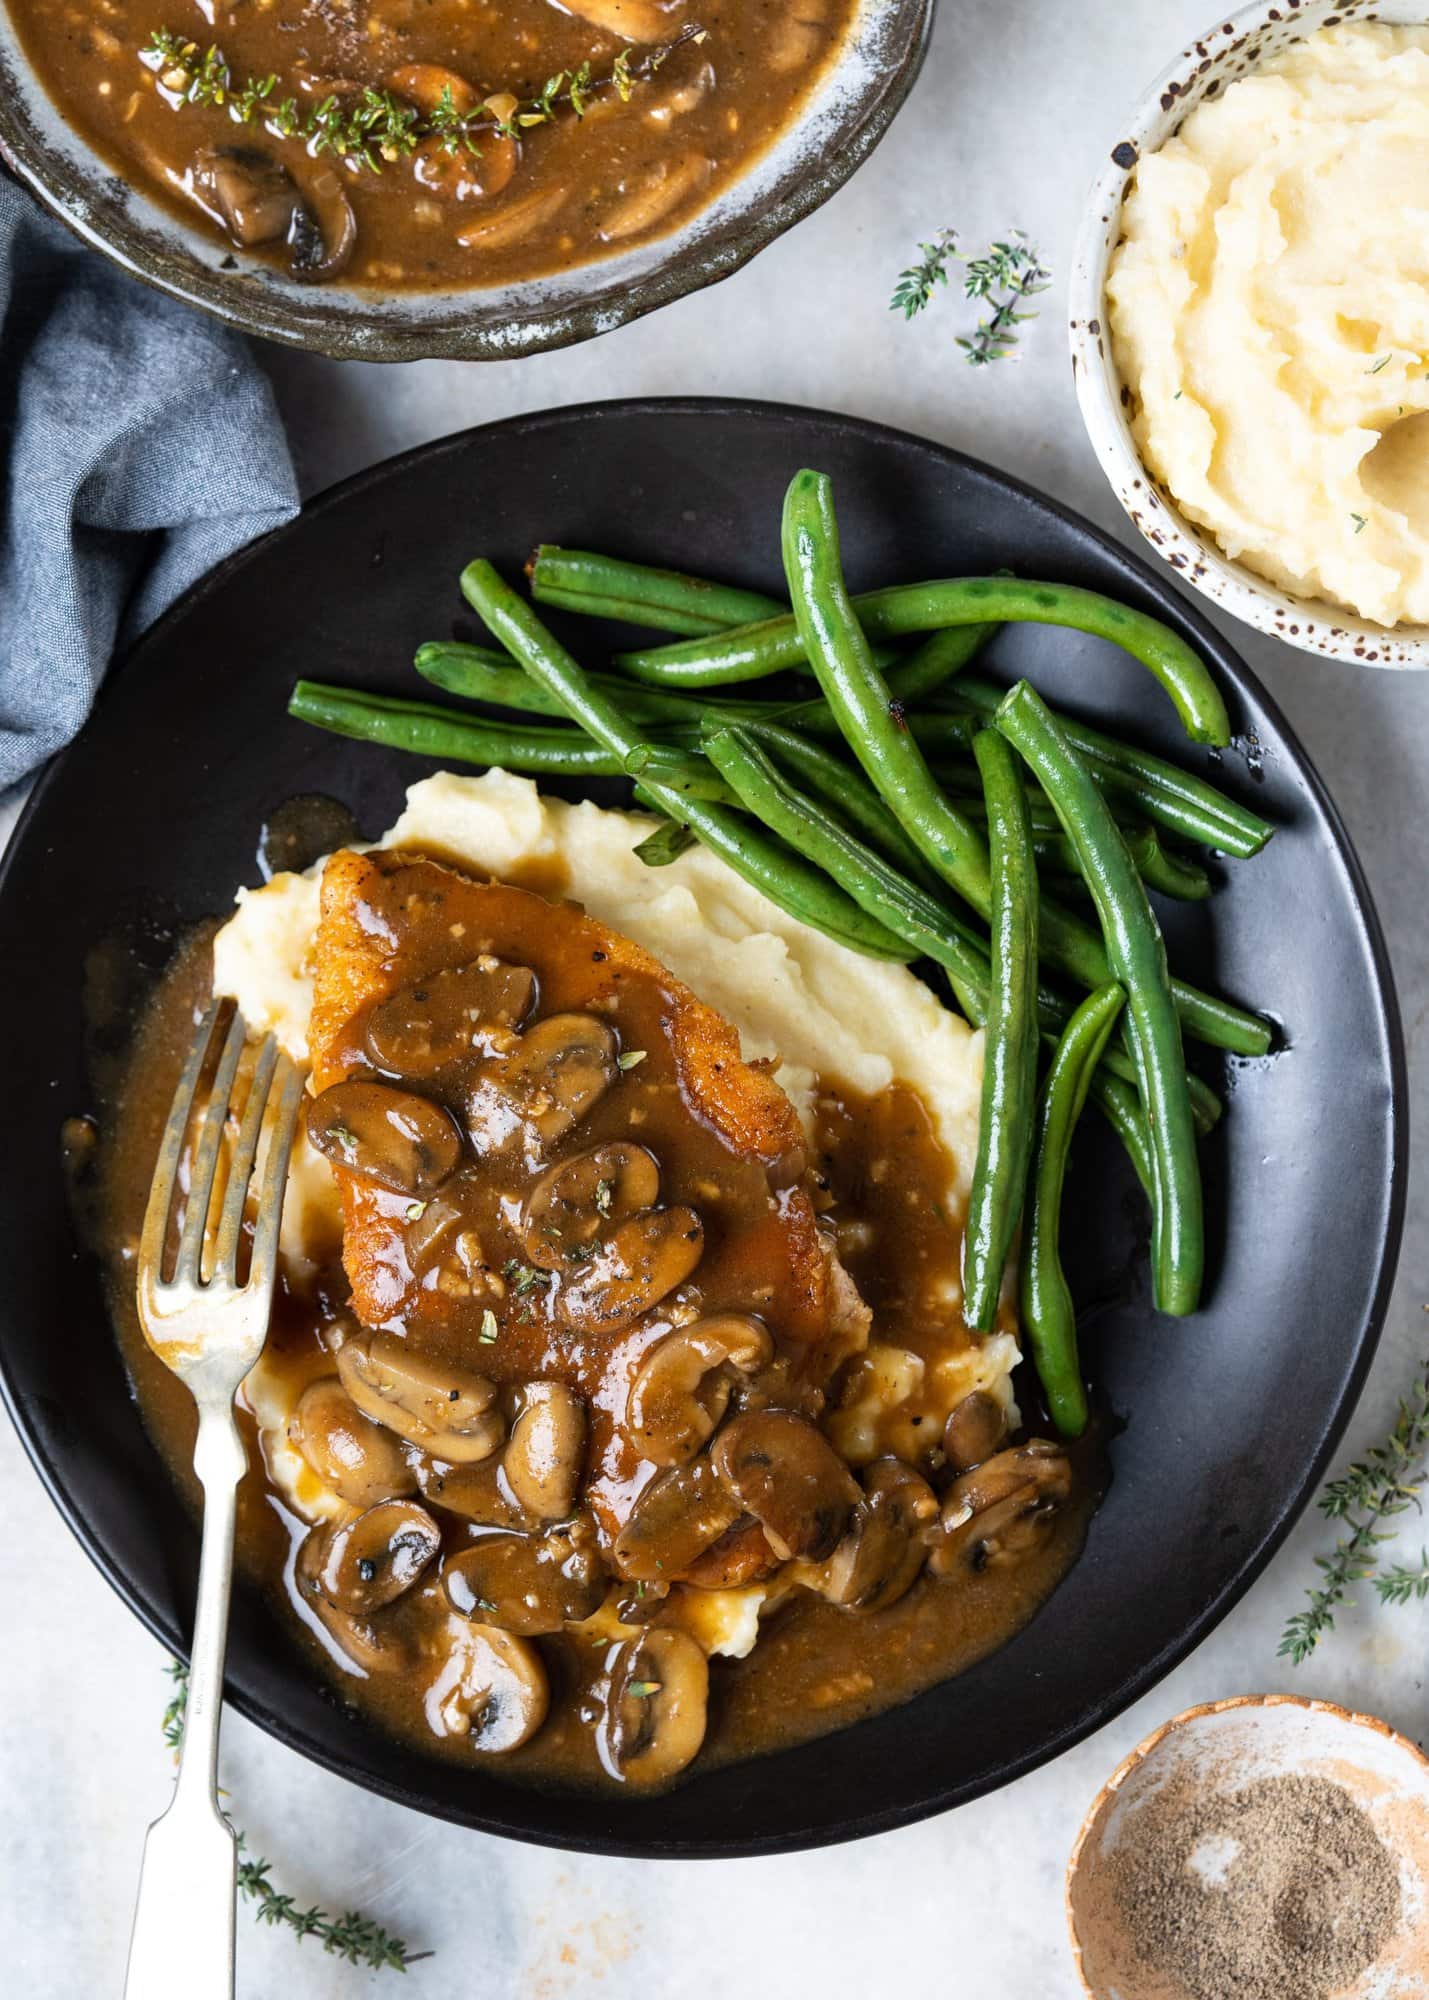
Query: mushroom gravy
x,y
622,1692
407,147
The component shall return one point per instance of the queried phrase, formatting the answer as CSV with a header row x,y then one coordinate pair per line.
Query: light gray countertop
x,y
1018,101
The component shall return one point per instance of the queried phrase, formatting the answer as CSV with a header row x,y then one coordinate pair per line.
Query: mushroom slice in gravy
x,y
527,1583
550,1080
367,1563
637,1265
883,1551
582,1198
683,1386
432,1023
656,1708
491,1689
545,1457
400,1141
1002,1511
360,1460
448,1411
788,1476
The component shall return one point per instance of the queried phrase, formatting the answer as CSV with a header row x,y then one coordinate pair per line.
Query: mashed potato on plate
x,y
1269,310
815,1008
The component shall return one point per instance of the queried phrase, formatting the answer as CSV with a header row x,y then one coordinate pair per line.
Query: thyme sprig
x,y
372,128
351,1936
1384,1483
1006,277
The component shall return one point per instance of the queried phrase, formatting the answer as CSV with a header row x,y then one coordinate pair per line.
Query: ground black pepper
x,y
1281,1890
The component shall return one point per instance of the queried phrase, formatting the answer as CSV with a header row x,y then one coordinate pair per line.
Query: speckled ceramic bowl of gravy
x,y
1232,48
1253,1847
848,108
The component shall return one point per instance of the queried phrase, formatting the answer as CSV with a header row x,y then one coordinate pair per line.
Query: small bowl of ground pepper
x,y
1266,1848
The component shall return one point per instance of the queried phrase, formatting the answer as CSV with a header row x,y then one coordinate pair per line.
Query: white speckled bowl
x,y
1235,1743
1234,45
850,108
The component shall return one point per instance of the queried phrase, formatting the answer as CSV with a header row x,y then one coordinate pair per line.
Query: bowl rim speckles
x,y
1148,1748
850,108
1230,49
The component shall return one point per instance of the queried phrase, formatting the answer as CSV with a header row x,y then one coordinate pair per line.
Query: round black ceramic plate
x,y
1223,1423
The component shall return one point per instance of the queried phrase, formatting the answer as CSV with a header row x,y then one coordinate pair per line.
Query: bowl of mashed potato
x,y
1250,323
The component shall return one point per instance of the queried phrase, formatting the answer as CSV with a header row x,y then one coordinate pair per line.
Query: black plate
x,y
1228,1419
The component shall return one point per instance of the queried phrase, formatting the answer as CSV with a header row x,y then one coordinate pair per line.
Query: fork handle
x,y
183,1942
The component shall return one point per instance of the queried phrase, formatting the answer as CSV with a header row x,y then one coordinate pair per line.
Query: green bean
x,y
1137,956
807,825
1009,1062
849,794
430,731
785,877
857,694
1121,1107
604,587
1049,1317
1163,791
773,645
479,675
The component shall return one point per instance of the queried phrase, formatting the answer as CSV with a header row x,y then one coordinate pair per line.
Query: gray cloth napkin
x,y
140,444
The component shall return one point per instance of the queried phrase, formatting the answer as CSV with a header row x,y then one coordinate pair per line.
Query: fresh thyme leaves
x,y
489,1329
1383,362
631,1059
374,128
1385,1482
416,1210
1005,278
1407,1581
178,1673
351,1936
916,285
1361,522
523,1278
642,1690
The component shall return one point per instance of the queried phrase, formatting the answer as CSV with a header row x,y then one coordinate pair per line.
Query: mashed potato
x,y
1269,309
816,1008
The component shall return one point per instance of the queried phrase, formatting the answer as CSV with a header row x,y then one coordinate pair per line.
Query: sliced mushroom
x,y
527,1583
464,173
545,1457
521,216
784,1472
369,1645
1002,1511
247,190
655,1711
975,1431
428,85
655,194
632,20
554,1076
638,1264
581,1199
492,1689
402,1142
422,1027
367,1563
476,1492
679,1515
682,1388
741,1555
880,1557
449,1412
323,235
361,1461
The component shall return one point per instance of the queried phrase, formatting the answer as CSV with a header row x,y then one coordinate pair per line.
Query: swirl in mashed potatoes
x,y
1269,310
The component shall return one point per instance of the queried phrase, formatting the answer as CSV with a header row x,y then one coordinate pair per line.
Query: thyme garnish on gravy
x,y
374,128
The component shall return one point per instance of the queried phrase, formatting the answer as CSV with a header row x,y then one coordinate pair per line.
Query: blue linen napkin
x,y
139,445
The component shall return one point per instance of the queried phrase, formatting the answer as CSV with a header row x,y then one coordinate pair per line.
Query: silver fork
x,y
209,1329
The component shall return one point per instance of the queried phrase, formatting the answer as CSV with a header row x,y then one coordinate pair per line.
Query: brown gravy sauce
x,y
432,218
816,1668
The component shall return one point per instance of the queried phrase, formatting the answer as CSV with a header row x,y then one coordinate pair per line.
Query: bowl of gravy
x,y
382,182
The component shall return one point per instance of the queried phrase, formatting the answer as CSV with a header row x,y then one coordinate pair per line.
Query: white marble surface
x,y
1017,100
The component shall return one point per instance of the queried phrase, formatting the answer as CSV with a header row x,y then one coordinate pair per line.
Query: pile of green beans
x,y
901,803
